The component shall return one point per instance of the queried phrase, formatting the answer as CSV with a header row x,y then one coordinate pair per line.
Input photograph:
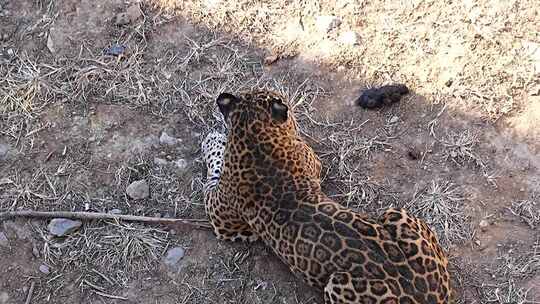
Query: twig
x,y
30,292
197,223
106,295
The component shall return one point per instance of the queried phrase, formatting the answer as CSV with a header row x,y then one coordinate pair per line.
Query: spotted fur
x,y
264,182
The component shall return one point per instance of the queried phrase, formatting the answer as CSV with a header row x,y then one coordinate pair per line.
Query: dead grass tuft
x,y
528,211
25,86
515,264
441,205
459,147
506,293
115,252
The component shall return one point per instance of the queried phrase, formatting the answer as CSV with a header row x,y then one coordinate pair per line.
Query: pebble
x,y
138,190
44,269
173,256
115,50
62,226
134,13
35,252
121,19
327,23
4,297
166,139
394,119
115,211
181,164
3,151
483,225
349,38
4,242
129,16
160,161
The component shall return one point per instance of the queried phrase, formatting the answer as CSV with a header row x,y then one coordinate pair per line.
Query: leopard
x,y
264,183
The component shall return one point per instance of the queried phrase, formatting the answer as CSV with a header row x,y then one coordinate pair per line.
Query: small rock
x,y
134,12
394,119
4,297
121,19
449,82
44,269
181,164
138,190
325,24
165,139
62,226
4,242
130,16
3,151
160,161
483,225
349,38
212,4
173,256
115,50
115,211
35,252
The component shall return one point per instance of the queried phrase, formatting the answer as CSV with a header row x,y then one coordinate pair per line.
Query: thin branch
x,y
196,223
30,292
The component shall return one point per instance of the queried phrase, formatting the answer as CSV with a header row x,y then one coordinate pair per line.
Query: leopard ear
x,y
225,102
280,111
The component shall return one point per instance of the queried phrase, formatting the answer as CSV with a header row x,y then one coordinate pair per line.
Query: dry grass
x,y
459,147
478,55
528,211
507,293
111,254
345,152
513,264
442,206
481,54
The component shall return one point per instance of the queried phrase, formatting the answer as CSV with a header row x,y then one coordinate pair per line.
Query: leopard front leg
x,y
226,223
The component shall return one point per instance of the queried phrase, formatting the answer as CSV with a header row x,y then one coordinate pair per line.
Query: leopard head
x,y
255,112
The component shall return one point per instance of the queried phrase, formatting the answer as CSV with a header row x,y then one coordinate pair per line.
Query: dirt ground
x,y
95,95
